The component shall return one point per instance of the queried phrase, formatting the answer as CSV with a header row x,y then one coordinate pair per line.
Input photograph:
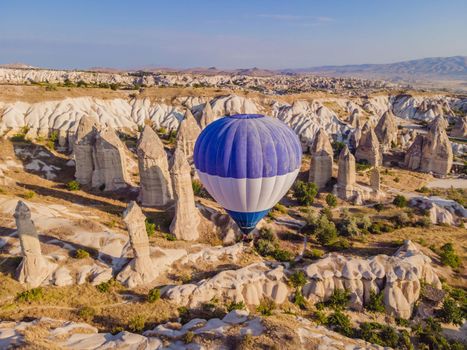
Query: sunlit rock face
x,y
368,150
321,160
155,181
34,268
185,223
398,277
431,152
110,166
386,130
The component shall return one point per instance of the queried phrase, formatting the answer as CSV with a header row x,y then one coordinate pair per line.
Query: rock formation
x,y
368,149
375,180
397,277
431,152
346,175
83,148
321,160
354,138
185,223
386,131
354,119
187,134
460,128
155,182
440,210
250,285
110,168
139,270
34,268
207,116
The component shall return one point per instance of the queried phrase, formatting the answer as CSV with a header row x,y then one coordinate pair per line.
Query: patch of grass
x,y
340,322
300,300
150,227
106,287
281,208
137,323
86,313
73,185
376,303
81,254
362,165
449,257
197,187
29,194
154,295
315,253
189,336
338,300
31,295
266,307
169,236
236,306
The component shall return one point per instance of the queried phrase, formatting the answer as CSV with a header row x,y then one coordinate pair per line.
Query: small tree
x,y
331,200
305,192
400,201
325,230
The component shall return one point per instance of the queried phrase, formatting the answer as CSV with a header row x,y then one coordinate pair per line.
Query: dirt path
x,y
448,183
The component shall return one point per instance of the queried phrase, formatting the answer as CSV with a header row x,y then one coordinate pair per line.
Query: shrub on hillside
x,y
331,200
449,257
400,201
305,192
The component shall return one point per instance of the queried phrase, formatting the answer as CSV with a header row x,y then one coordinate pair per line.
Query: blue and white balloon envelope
x,y
247,162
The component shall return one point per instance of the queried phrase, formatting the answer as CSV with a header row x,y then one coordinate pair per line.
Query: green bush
x,y
305,192
81,254
281,208
451,312
73,185
154,295
340,322
29,194
338,300
137,323
298,279
315,253
87,313
34,294
282,255
400,201
266,307
347,225
449,257
331,200
105,287
189,336
320,317
235,306
325,230
197,187
150,227
378,207
430,334
379,334
376,303
339,244
300,300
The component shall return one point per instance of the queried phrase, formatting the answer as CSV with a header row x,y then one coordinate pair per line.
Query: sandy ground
x,y
448,183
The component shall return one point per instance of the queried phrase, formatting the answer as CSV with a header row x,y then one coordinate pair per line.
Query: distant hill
x,y
435,68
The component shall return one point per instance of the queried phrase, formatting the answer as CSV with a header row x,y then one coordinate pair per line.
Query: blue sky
x,y
228,34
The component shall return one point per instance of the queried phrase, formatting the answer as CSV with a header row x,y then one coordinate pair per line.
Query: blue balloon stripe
x,y
233,147
247,221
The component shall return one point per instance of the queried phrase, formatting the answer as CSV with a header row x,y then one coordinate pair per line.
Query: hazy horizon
x,y
257,33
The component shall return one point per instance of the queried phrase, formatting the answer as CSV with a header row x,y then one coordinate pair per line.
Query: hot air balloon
x,y
247,162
